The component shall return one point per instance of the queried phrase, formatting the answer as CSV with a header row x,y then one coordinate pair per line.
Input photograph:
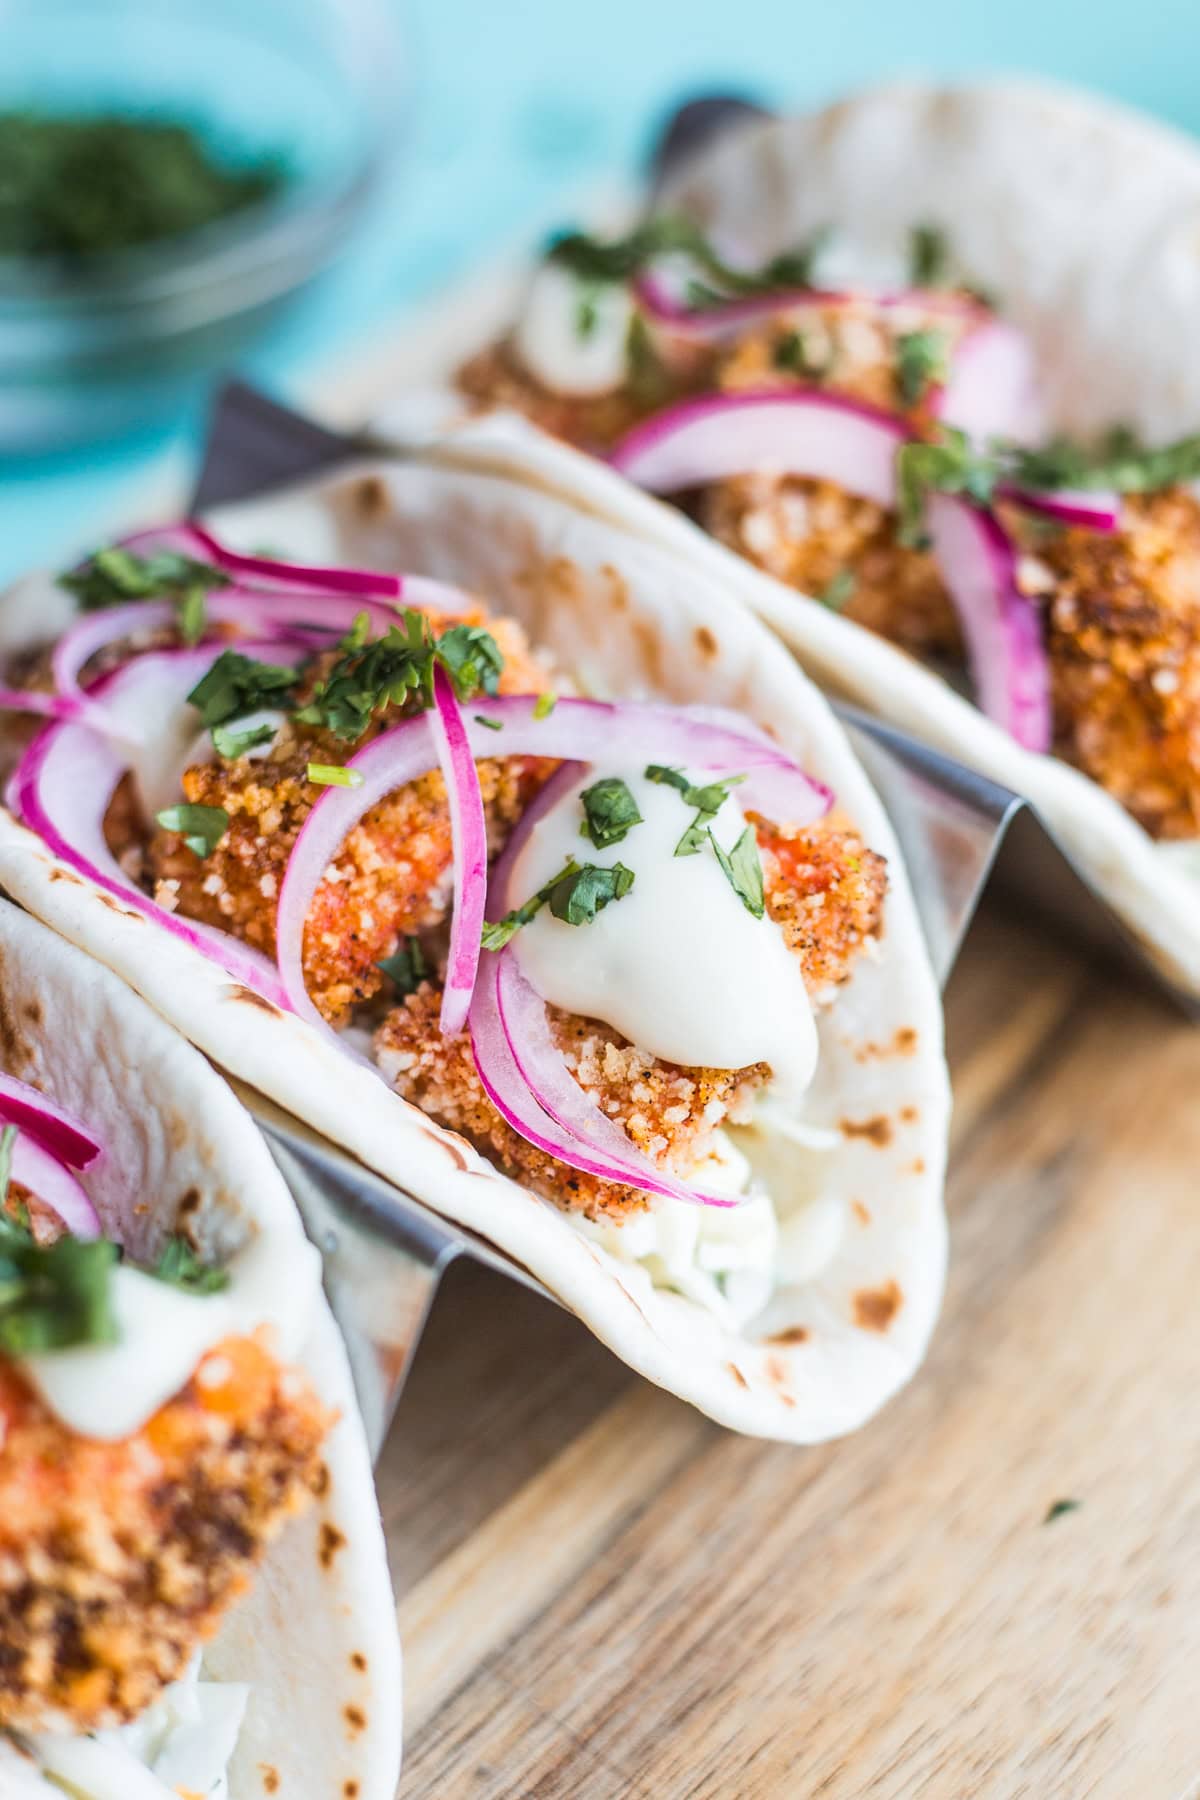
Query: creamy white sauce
x,y
551,344
679,966
110,1391
181,1744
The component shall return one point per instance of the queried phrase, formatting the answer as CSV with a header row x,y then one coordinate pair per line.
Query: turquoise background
x,y
521,104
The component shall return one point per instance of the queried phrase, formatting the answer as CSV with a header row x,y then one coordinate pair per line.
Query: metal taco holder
x,y
384,1251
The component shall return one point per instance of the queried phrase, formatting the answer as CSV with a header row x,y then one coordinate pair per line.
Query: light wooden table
x,y
603,1595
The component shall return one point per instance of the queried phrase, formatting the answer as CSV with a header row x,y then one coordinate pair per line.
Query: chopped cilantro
x,y
922,361
472,658
182,1268
202,827
622,259
743,870
370,675
577,897
610,812
193,615
52,1296
113,576
839,591
544,705
236,685
334,775
498,932
667,777
1058,1507
492,724
406,968
707,799
229,742
1119,460
948,466
793,353
8,1138
651,382
929,257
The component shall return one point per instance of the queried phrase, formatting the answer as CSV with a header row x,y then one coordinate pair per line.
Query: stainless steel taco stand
x,y
961,834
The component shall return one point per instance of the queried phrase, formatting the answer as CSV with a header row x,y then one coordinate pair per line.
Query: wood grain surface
x,y
603,1595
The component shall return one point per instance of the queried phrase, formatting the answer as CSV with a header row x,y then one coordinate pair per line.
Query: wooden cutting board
x,y
603,1595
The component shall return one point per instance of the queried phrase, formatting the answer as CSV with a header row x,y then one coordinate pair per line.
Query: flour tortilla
x,y
172,1125
629,622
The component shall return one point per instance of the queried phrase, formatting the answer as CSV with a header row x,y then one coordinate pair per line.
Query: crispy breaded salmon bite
x,y
118,1561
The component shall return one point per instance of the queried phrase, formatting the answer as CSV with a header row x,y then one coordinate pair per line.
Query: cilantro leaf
x,y
610,812
180,1266
839,591
707,799
929,263
667,777
497,933
1058,1507
236,685
113,576
743,870
370,675
406,968
230,743
544,705
53,1296
8,1138
202,827
577,897
1119,460
472,658
948,466
793,353
922,361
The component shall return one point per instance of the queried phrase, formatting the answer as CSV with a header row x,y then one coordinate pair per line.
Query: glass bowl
x,y
119,340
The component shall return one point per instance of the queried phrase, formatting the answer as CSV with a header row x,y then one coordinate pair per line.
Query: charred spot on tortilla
x,y
737,1375
905,1040
322,1481
331,1541
877,1131
350,1790
58,873
189,1202
861,1212
16,1051
371,497
909,1115
248,997
358,1661
355,1718
122,912
875,1308
791,1334
917,1166
706,643
270,1778
33,1013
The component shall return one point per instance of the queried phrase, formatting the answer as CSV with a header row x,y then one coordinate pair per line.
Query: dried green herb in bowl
x,y
89,185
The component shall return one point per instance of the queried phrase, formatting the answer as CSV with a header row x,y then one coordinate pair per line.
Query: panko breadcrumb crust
x,y
119,1560
823,887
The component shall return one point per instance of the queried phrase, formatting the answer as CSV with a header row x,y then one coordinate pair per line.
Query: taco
x,y
558,842
193,1588
917,359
